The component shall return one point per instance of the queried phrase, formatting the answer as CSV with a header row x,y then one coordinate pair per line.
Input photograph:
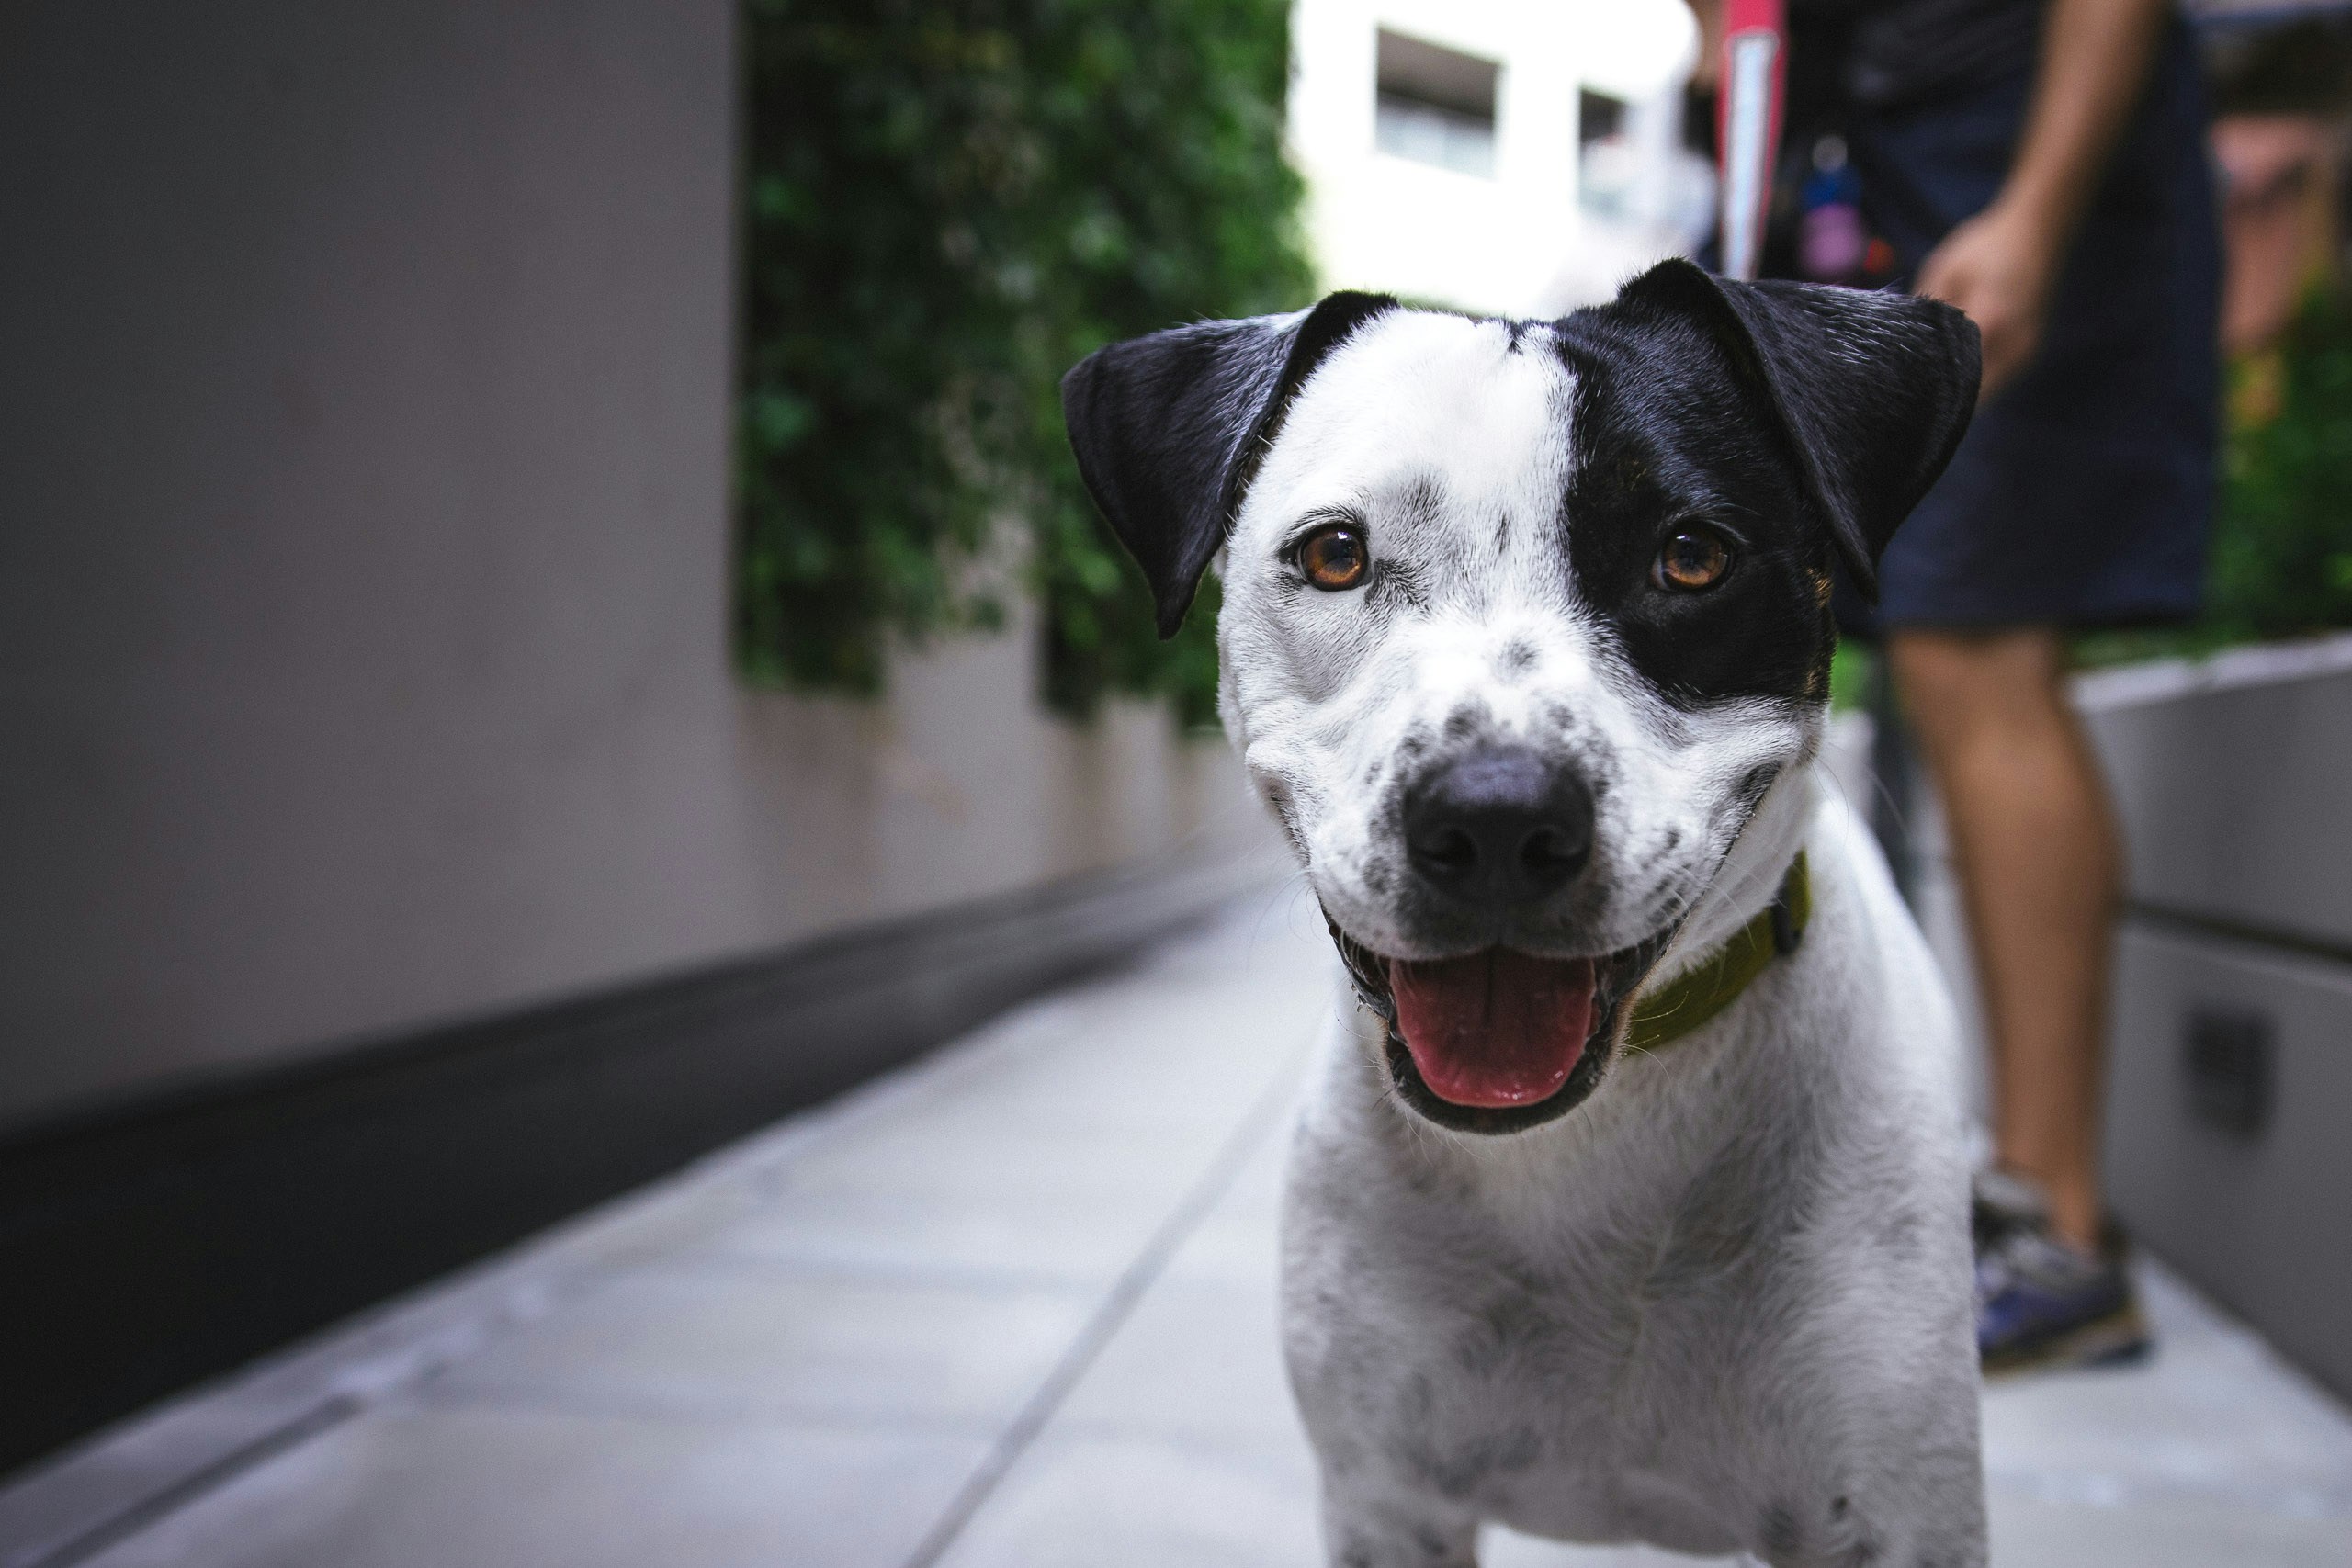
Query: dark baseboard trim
x,y
147,1246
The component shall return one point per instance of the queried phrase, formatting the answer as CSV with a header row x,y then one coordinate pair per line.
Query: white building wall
x,y
1516,244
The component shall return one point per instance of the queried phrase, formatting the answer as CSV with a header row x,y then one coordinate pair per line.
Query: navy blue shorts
x,y
2081,495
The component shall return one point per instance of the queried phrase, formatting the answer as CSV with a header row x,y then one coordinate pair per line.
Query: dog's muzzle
x,y
1496,837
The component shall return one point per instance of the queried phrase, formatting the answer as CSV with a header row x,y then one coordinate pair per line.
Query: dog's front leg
x,y
1364,1528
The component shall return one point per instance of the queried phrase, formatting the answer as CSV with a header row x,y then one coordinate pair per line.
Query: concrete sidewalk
x,y
1013,1308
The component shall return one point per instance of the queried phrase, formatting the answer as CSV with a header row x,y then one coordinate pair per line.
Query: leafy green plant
x,y
2282,544
948,203
2280,564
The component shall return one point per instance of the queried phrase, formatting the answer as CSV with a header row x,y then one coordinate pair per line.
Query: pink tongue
x,y
1498,1027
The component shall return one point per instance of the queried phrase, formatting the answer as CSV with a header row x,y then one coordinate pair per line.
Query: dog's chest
x,y
1527,1358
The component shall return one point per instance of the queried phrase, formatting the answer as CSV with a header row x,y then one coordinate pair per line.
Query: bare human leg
x,y
2040,864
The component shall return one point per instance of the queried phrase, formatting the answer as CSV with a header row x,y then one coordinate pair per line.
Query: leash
x,y
1705,991
1749,102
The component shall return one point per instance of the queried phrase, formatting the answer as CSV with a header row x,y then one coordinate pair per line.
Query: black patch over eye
x,y
1668,446
1335,557
1692,560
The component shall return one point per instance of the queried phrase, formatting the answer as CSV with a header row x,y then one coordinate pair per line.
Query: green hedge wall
x,y
2281,565
2282,539
948,205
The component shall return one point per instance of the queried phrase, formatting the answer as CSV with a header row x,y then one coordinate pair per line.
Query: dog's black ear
x,y
1169,428
1872,390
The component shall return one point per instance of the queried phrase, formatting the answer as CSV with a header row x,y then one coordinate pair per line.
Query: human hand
x,y
1709,14
1999,267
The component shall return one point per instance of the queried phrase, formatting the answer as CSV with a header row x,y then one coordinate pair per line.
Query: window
x,y
1436,105
1599,117
1607,168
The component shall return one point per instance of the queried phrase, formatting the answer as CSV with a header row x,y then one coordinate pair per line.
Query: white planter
x,y
2235,778
2229,1130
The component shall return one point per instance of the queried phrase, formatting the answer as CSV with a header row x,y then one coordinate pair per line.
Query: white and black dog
x,y
1526,639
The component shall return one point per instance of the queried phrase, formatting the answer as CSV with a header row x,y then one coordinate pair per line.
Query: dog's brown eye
x,y
1334,558
1693,560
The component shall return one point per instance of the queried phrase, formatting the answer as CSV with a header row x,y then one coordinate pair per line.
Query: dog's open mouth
x,y
1498,1041
1497,1029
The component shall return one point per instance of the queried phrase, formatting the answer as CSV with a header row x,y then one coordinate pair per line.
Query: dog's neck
x,y
1751,875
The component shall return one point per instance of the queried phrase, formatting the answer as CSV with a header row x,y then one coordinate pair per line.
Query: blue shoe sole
x,y
2118,1339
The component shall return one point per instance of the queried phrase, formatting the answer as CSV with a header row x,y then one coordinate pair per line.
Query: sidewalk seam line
x,y
1106,1321
157,1505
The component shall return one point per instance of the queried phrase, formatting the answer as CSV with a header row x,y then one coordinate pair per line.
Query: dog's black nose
x,y
1498,825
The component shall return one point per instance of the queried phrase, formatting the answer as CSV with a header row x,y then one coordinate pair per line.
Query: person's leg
x,y
2040,864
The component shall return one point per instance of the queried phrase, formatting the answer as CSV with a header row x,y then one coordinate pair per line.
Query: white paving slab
x,y
404,1488
1013,1308
718,1340
1092,1502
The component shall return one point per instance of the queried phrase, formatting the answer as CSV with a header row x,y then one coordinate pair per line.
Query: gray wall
x,y
2229,776
363,568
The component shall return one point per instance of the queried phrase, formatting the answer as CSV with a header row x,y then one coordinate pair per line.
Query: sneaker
x,y
2041,1303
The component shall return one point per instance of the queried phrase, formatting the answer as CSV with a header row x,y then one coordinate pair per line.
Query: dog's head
x,y
1523,620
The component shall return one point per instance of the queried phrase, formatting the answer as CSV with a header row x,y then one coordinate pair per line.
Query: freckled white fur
x,y
1321,690
1723,1305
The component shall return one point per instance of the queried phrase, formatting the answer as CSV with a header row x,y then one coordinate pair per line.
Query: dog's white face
x,y
1521,620
1448,446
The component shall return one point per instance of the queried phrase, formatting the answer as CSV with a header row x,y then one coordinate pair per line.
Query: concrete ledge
x,y
2260,664
156,1243
2229,775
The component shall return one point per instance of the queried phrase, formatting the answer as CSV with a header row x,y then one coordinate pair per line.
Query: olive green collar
x,y
1691,998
